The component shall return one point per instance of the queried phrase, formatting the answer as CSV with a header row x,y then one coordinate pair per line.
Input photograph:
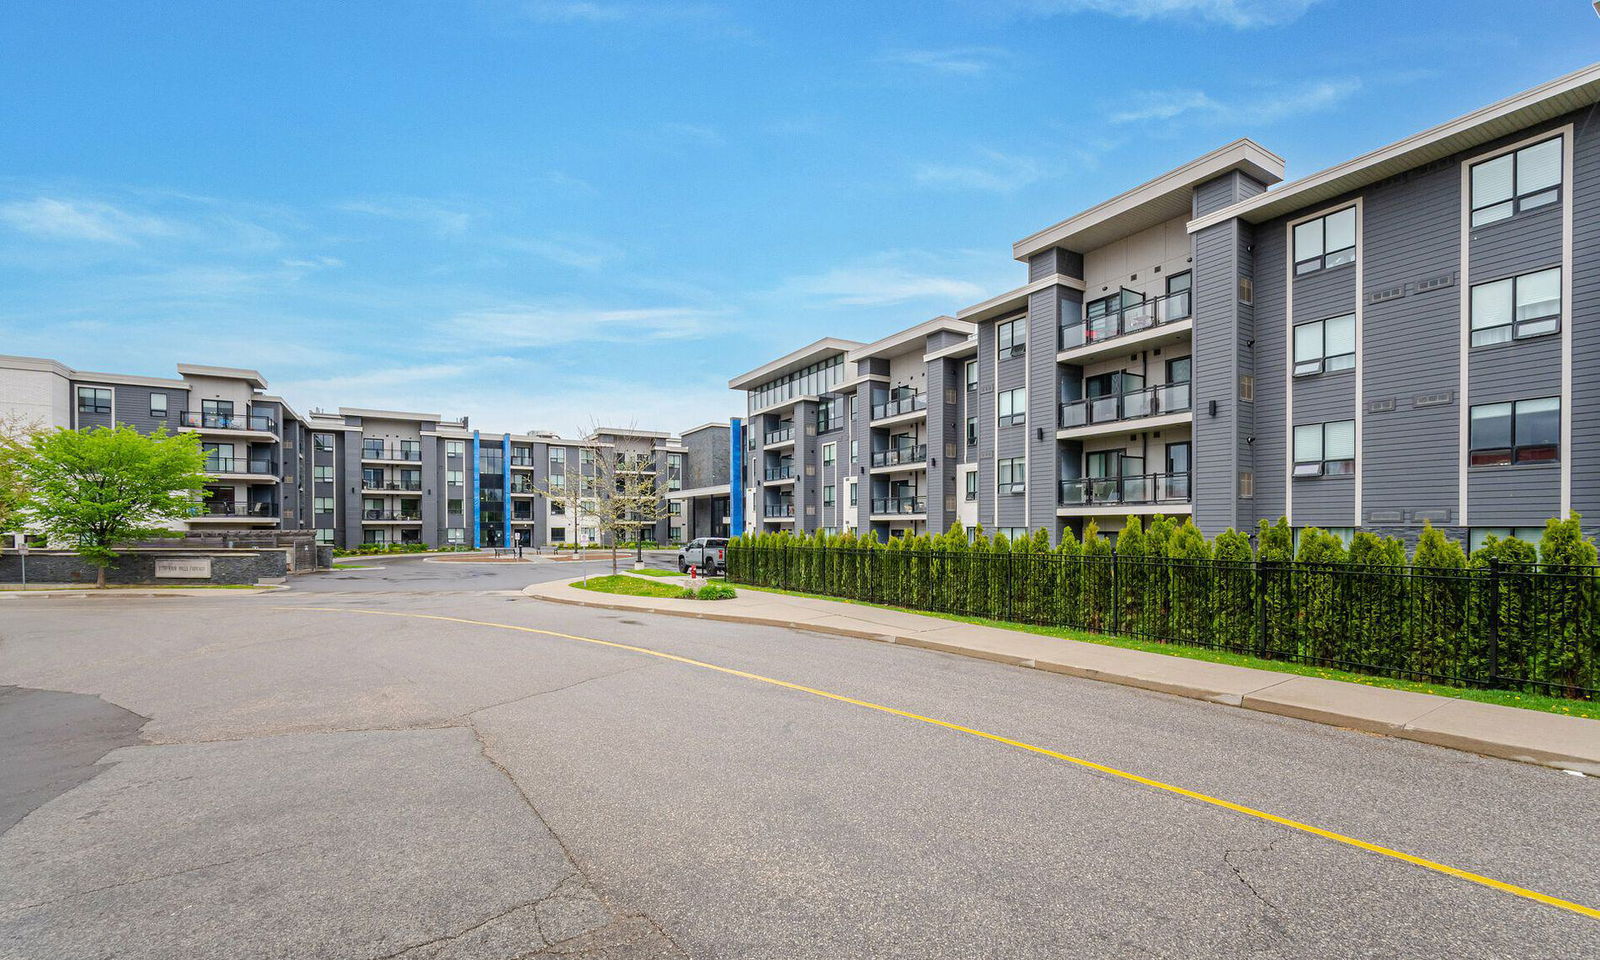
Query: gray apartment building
x,y
1412,335
358,476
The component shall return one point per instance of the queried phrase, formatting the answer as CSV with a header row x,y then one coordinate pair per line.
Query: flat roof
x,y
713,425
804,357
1545,102
254,378
1167,197
910,338
365,413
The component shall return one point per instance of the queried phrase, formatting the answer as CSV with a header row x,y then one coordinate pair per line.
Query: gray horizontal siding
x,y
1530,241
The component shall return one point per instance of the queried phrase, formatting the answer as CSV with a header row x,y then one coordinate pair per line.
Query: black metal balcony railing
x,y
895,408
1146,488
411,485
391,453
780,473
1130,319
780,435
902,505
895,456
778,510
264,468
229,508
1136,404
391,515
522,461
523,488
220,421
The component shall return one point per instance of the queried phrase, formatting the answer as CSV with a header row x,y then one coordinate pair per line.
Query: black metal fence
x,y
1516,627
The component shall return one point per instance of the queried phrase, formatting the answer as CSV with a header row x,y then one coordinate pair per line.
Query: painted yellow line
x,y
1423,862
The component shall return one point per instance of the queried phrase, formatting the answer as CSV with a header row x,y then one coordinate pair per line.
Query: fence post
x,y
1116,594
1262,567
1010,581
1494,621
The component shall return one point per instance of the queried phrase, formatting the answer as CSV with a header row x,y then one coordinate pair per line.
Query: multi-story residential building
x,y
379,476
1412,335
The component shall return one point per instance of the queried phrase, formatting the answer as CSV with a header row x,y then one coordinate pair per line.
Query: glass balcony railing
x,y
260,468
899,505
896,456
780,435
1130,319
393,516
1136,404
1142,489
386,485
780,473
229,508
227,421
895,408
778,510
391,453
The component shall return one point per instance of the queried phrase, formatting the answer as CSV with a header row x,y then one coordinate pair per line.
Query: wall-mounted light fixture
x,y
1040,432
1211,408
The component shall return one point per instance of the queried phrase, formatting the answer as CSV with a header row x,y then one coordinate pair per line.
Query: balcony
x,y
1134,318
522,489
1147,489
392,486
778,510
899,506
635,465
904,405
780,435
257,423
231,510
522,460
785,472
266,469
1119,408
399,454
825,424
900,456
391,516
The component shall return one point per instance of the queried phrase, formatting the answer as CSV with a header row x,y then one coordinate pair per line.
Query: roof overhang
x,y
912,340
713,425
366,414
1529,108
1014,301
1167,197
804,357
252,377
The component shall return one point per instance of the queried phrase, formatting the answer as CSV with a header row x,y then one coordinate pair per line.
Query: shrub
x,y
714,591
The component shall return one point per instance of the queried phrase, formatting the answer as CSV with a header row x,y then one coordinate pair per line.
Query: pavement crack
x,y
160,876
1227,858
554,891
545,693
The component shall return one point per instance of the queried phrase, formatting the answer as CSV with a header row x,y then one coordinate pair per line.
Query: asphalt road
x,y
350,769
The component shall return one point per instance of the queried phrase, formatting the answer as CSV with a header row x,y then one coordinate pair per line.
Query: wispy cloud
x,y
1239,14
955,61
355,385
880,284
521,325
610,12
445,219
90,220
1263,106
991,170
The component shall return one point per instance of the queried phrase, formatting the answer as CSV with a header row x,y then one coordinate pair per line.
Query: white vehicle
x,y
708,554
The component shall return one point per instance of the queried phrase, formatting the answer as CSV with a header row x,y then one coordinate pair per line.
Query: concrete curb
x,y
87,592
1526,736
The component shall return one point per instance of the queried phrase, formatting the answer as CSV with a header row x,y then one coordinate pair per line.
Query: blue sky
x,y
540,213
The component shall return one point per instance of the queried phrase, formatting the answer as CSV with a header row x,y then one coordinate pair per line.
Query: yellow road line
x,y
1423,862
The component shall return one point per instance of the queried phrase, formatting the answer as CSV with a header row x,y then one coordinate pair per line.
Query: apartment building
x,y
358,476
1409,336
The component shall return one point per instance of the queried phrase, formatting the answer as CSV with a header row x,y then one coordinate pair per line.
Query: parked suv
x,y
710,554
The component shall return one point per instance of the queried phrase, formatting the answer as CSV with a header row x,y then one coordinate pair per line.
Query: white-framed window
x,y
828,496
558,534
455,535
1327,241
1013,407
1324,346
1477,536
455,478
1013,533
1010,336
855,451
851,487
1011,475
1521,180
376,535
455,448
1516,307
1325,449
972,374
1517,431
1247,485
322,472
322,442
972,484
94,400
322,504
972,434
158,406
830,454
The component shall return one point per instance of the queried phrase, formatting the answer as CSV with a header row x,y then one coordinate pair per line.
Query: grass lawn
x,y
1506,698
139,586
354,566
657,572
632,587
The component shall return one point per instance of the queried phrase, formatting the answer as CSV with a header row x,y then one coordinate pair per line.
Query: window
x,y
322,442
1328,241
1014,407
1013,533
1247,387
372,448
1012,337
586,460
1247,484
1324,346
1012,475
972,433
94,400
1522,180
1523,431
321,504
158,406
322,473
828,498
855,451
1477,537
455,478
826,420
411,449
455,448
1247,290
972,374
1516,307
457,535
558,534
558,462
830,454
1325,449
557,508
376,535
972,485
853,500
325,537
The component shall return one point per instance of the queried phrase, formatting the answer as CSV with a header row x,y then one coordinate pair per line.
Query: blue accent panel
x,y
735,486
477,495
505,470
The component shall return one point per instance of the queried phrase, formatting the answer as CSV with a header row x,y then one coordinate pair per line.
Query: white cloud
x,y
607,12
552,325
994,171
1263,106
443,219
348,389
881,285
957,61
81,220
1240,14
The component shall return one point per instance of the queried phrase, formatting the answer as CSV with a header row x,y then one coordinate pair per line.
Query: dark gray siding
x,y
1043,468
1521,244
1010,441
1216,351
1585,453
943,397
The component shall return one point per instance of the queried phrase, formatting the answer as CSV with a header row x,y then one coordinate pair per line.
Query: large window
x,y
1013,407
1324,346
94,400
852,488
455,478
1328,241
455,448
1521,431
828,495
158,406
1511,183
830,454
1325,449
815,379
322,505
1011,475
324,537
322,442
972,374
1516,307
1010,335
322,473
972,484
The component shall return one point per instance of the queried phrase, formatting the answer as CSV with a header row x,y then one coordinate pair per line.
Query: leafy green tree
x,y
98,489
16,436
1378,600
1235,590
1439,621
1191,583
1068,580
1570,605
1322,590
1096,598
1131,575
1275,549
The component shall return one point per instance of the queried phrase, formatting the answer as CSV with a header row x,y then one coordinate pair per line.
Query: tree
x,y
571,490
16,435
97,489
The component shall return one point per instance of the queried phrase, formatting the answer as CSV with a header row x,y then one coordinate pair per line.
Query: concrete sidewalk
x,y
1529,736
